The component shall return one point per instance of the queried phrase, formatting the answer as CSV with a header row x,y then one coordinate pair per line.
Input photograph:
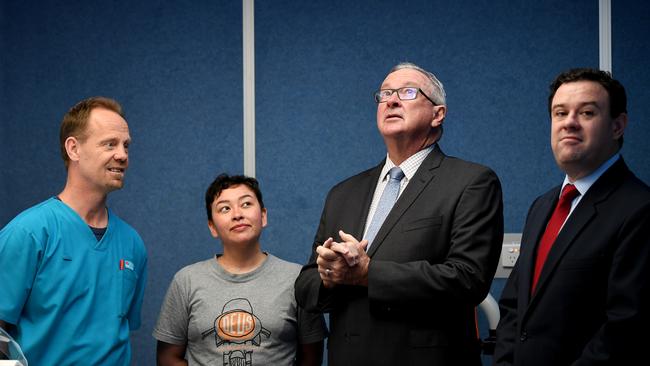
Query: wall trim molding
x,y
248,47
605,34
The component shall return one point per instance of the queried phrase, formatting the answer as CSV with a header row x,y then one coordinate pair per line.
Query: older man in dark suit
x,y
579,294
431,251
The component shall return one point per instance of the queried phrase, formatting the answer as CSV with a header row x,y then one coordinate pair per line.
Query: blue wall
x,y
177,67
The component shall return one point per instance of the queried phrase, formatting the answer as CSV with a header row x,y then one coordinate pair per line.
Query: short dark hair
x,y
225,181
615,90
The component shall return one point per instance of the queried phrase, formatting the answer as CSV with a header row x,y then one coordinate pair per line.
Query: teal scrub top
x,y
72,299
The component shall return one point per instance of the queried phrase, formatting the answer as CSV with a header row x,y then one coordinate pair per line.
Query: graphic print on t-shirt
x,y
237,332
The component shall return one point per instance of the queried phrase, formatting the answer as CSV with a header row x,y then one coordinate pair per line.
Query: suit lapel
x,y
535,231
567,235
423,176
578,220
367,186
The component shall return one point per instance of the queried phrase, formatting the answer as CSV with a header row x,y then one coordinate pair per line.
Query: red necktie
x,y
569,192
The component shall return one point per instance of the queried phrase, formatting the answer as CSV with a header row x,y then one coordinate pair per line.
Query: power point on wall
x,y
509,254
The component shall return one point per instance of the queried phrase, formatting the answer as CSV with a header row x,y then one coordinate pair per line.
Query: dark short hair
x,y
225,181
615,90
75,122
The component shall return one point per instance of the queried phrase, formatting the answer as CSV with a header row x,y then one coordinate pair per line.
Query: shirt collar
x,y
409,166
583,184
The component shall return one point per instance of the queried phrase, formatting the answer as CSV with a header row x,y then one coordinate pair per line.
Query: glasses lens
x,y
377,96
383,95
407,93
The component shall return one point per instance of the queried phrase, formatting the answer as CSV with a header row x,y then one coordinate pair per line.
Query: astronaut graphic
x,y
237,331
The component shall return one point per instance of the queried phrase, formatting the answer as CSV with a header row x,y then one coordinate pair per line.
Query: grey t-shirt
x,y
229,319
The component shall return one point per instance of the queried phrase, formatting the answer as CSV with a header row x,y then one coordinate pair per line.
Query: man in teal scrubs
x,y
72,272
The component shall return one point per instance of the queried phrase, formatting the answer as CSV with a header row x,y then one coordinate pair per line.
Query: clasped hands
x,y
343,263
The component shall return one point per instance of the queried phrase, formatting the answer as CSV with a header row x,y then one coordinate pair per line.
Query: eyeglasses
x,y
405,93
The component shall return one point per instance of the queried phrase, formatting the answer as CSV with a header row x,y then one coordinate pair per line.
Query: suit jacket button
x,y
523,337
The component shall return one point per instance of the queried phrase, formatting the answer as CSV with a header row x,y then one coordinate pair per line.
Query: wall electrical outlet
x,y
509,254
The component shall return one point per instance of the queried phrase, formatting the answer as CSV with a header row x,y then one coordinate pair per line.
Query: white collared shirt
x,y
408,166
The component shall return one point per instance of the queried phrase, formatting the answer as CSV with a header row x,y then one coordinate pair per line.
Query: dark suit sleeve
x,y
472,234
309,289
623,335
507,328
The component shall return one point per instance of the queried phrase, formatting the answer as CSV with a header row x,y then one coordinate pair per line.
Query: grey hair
x,y
438,91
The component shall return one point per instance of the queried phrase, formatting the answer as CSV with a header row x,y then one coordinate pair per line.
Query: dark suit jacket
x,y
432,262
591,302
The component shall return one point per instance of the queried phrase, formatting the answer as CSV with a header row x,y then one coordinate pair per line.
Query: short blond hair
x,y
75,122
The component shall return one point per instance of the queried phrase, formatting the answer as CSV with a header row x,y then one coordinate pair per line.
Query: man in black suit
x,y
587,303
411,298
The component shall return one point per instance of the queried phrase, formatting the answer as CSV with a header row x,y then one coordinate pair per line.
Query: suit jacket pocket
x,y
426,222
575,264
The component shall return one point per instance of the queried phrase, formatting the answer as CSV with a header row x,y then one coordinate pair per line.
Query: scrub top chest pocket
x,y
128,279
